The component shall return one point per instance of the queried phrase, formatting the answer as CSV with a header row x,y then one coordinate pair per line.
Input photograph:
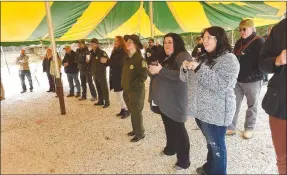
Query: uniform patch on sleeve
x,y
132,67
144,64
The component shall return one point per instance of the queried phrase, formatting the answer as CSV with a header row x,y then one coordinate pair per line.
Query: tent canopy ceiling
x,y
25,22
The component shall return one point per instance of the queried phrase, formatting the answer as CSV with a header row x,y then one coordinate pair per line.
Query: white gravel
x,y
35,138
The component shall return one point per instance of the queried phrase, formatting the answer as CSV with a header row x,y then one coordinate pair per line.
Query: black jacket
x,y
150,51
46,65
276,93
81,58
248,59
98,69
116,64
72,65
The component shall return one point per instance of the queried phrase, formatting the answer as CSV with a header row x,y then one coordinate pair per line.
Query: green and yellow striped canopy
x,y
25,22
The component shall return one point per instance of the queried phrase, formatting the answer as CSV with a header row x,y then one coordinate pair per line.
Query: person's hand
x,y
103,60
185,65
193,65
281,59
198,50
66,64
153,69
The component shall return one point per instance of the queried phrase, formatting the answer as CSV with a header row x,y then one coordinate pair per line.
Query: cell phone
x,y
154,63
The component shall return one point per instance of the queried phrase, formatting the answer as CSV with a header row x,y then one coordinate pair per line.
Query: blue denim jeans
x,y
22,75
74,77
216,157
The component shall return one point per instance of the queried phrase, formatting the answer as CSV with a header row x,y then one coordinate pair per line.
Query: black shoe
x,y
136,138
82,98
70,95
23,92
31,90
78,95
200,171
106,105
121,113
125,114
99,103
131,133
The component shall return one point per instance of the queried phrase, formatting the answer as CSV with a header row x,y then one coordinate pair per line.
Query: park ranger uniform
x,y
133,82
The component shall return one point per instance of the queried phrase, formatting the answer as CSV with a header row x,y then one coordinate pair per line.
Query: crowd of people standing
x,y
208,85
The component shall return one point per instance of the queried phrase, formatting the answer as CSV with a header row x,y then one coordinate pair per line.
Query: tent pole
x,y
59,86
5,60
151,19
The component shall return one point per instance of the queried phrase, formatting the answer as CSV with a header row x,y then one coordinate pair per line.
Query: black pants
x,y
86,77
102,88
51,81
177,141
22,75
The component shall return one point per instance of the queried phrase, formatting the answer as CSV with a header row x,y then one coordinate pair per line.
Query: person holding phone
x,y
168,97
116,63
211,98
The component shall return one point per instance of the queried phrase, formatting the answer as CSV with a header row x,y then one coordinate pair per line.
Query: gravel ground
x,y
35,138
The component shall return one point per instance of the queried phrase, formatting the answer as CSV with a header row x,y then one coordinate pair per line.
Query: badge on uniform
x,y
96,57
144,64
132,67
105,54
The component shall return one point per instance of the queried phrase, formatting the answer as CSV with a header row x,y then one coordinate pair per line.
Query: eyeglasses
x,y
243,29
208,38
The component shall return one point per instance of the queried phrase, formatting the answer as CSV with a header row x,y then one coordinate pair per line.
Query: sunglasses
x,y
243,29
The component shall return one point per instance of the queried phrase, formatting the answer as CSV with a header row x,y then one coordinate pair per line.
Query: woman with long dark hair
x,y
211,83
168,97
116,63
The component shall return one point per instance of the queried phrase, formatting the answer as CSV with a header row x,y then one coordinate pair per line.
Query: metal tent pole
x,y
59,86
151,19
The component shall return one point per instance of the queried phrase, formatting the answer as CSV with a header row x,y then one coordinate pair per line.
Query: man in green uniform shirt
x,y
99,73
133,82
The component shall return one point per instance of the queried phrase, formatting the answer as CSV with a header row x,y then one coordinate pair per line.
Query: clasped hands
x,y
189,65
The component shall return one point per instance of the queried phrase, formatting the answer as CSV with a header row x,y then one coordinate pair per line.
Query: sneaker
x,y
247,134
23,92
230,132
93,99
70,95
200,171
82,98
78,95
